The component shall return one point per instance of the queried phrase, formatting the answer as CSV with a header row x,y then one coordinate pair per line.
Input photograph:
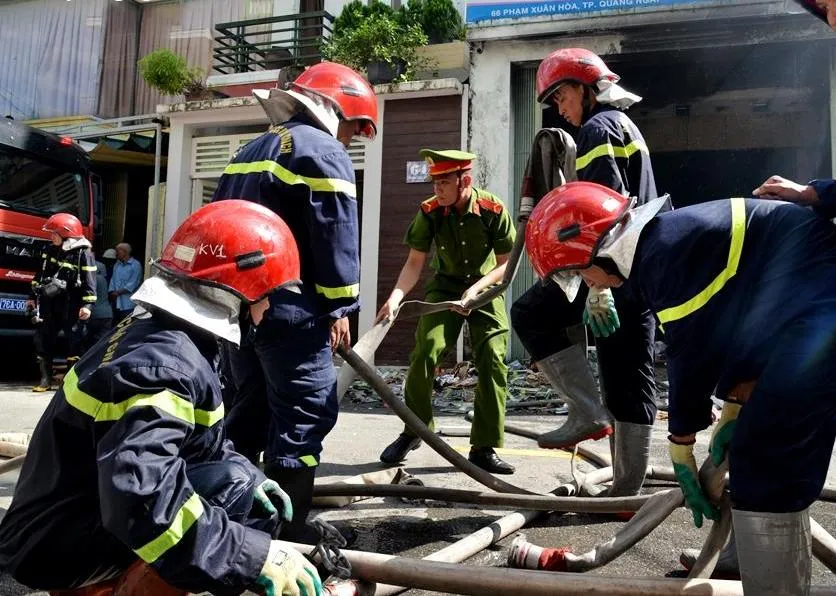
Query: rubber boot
x,y
632,454
727,565
775,551
569,373
46,376
298,484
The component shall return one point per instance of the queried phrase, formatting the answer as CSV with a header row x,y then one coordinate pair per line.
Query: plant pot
x,y
384,72
202,95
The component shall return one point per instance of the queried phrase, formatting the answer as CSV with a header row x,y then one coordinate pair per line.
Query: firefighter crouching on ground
x,y
301,170
746,292
610,151
473,234
64,290
128,467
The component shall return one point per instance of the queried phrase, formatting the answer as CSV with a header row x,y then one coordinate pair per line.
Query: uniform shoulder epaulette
x,y
490,203
430,205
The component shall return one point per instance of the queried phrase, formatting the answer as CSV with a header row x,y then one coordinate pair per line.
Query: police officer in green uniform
x,y
473,235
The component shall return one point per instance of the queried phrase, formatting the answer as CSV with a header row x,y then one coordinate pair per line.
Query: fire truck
x,y
40,174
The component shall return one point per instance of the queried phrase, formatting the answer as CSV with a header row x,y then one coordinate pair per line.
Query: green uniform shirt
x,y
466,245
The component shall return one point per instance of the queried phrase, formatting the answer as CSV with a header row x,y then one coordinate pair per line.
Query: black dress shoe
x,y
400,447
486,458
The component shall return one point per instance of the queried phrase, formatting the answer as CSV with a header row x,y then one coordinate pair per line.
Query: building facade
x,y
733,91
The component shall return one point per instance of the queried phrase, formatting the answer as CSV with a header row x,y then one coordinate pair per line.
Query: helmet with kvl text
x,y
237,246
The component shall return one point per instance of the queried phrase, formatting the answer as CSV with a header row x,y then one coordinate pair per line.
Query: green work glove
x,y
685,469
600,313
288,573
723,432
268,493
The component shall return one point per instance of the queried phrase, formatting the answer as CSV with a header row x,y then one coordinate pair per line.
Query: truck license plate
x,y
13,305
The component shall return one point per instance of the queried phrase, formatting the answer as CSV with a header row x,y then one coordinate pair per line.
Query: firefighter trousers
x,y
783,439
625,358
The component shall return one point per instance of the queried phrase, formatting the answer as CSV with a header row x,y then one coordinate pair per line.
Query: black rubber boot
x,y
46,376
397,451
298,484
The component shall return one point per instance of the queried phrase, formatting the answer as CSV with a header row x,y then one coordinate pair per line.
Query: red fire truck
x,y
40,174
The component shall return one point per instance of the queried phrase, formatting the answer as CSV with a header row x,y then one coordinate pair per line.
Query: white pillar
x,y
490,113
178,197
370,233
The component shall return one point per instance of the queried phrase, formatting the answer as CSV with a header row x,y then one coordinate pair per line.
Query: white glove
x,y
288,572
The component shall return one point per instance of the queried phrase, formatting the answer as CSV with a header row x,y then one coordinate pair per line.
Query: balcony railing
x,y
271,42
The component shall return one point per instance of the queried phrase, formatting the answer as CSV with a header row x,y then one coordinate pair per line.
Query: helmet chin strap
x,y
586,103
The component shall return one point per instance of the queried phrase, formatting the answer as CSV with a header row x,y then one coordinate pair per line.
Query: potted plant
x,y
381,46
439,19
169,74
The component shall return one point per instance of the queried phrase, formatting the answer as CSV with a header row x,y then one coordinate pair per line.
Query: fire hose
x,y
533,502
489,581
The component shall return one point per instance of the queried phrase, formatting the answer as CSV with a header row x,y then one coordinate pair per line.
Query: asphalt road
x,y
418,529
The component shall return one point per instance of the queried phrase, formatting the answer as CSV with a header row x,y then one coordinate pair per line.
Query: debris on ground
x,y
454,389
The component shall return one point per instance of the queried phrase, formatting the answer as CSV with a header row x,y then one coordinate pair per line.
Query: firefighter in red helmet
x,y
129,482
612,152
63,292
282,383
746,291
819,194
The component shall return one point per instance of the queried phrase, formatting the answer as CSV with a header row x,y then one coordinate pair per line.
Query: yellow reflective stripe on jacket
x,y
67,264
342,292
166,401
608,149
738,232
308,460
87,268
288,177
185,518
89,299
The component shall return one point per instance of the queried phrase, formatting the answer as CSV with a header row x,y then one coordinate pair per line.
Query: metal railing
x,y
271,42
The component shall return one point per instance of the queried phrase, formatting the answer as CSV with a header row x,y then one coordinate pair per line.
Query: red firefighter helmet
x,y
570,64
814,8
238,246
65,225
565,230
352,95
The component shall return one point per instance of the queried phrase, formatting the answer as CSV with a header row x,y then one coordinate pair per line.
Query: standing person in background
x,y
101,317
64,289
127,276
109,260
